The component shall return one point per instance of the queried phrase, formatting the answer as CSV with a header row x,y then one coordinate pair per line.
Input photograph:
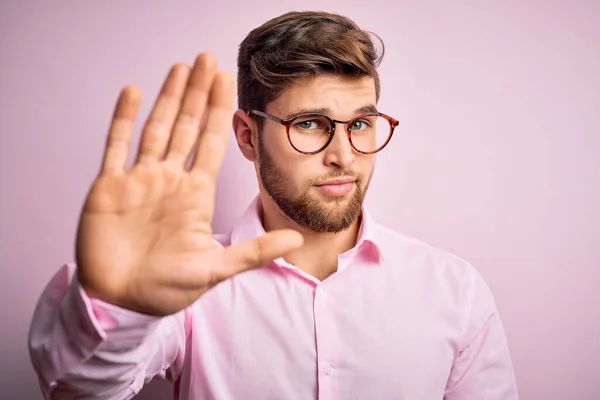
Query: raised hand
x,y
145,240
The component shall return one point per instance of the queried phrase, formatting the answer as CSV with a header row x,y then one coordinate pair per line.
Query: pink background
x,y
496,157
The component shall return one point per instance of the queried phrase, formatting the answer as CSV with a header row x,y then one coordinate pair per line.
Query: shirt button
x,y
322,291
328,369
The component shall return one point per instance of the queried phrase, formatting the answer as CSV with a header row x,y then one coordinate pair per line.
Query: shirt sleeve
x,y
85,348
483,368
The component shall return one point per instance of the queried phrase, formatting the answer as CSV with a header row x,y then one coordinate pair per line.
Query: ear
x,y
243,127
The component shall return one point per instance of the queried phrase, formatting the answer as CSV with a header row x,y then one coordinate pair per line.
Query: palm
x,y
145,239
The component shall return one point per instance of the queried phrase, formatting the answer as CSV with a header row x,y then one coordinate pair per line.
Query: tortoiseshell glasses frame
x,y
348,124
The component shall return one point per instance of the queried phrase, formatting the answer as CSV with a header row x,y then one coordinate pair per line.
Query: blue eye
x,y
306,124
359,125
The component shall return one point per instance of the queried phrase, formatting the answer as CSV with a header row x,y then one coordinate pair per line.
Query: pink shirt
x,y
398,320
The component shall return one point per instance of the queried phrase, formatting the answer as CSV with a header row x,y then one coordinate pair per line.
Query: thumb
x,y
261,250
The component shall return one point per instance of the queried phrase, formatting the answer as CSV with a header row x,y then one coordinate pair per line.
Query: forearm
x,y
83,347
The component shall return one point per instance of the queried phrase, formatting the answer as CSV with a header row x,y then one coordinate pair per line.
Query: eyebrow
x,y
368,109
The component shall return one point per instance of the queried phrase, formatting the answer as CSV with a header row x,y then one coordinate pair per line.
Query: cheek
x,y
275,139
287,164
298,172
365,165
278,149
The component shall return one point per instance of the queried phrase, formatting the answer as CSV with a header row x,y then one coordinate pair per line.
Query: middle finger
x,y
187,124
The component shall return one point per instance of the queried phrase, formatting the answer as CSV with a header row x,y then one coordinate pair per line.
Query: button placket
x,y
327,341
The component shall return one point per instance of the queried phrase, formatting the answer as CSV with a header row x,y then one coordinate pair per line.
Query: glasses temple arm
x,y
265,115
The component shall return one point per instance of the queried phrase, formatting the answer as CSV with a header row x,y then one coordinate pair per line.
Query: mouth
x,y
339,181
336,187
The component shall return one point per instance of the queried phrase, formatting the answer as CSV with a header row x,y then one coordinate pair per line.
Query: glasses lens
x,y
310,133
370,133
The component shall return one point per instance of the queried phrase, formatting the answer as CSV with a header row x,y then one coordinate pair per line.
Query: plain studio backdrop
x,y
495,159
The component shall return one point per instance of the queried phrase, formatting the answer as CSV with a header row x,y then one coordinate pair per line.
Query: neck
x,y
319,254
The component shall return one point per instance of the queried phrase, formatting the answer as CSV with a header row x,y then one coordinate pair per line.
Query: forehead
x,y
342,95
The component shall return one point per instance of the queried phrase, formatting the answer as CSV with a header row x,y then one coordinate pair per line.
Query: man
x,y
307,297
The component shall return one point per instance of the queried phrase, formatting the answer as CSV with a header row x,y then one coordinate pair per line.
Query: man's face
x,y
298,183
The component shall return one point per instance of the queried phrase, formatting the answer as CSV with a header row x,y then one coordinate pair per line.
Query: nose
x,y
339,152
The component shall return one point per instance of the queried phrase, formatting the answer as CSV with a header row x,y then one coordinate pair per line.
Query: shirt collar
x,y
369,242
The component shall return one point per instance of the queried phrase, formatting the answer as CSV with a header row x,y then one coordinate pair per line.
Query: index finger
x,y
121,130
212,142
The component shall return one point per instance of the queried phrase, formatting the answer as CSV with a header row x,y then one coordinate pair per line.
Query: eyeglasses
x,y
311,133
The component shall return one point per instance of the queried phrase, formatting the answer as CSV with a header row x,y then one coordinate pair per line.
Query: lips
x,y
337,182
336,187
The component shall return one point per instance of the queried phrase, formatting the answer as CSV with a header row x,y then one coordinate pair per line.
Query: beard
x,y
333,215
